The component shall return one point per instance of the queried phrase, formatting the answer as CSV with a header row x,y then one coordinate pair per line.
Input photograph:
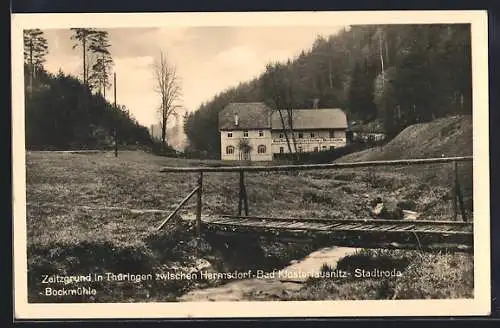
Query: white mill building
x,y
252,131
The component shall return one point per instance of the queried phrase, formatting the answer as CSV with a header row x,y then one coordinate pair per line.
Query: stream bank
x,y
275,283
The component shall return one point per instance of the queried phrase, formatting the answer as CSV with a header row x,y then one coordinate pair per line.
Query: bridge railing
x,y
243,196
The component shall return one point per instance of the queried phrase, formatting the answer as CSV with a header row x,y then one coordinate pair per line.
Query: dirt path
x,y
272,286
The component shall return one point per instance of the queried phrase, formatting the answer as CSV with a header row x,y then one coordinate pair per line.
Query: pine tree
x,y
82,38
35,50
101,69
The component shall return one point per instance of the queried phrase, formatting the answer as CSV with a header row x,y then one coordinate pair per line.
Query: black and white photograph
x,y
250,164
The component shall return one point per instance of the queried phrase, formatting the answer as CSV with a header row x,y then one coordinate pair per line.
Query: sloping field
x,y
427,188
444,137
79,219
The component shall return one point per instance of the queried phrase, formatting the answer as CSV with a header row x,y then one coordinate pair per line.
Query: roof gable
x,y
251,115
304,119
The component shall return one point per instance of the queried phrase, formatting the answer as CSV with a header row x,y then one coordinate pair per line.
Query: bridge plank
x,y
367,220
363,239
365,233
368,225
322,228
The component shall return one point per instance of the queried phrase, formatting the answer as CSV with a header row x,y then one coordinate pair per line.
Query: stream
x,y
266,285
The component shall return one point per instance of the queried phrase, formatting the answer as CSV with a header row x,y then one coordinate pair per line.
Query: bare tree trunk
x,y
290,122
31,68
163,127
290,115
381,58
278,102
386,51
330,73
84,61
164,135
284,131
168,88
105,82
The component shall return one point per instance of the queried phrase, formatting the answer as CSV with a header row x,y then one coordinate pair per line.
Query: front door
x,y
245,155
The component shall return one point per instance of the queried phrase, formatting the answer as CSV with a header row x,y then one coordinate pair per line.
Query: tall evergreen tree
x,y
82,38
99,47
35,50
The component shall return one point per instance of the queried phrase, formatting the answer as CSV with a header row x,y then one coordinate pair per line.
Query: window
x,y
323,148
332,147
332,134
316,149
312,134
301,135
230,150
245,134
261,133
229,134
300,149
281,135
261,149
282,150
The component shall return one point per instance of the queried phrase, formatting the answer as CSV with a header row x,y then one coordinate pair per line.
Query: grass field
x,y
78,222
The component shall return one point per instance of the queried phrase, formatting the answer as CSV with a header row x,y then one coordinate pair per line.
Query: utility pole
x,y
116,123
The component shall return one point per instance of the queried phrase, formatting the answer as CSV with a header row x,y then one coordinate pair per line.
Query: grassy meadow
x,y
79,221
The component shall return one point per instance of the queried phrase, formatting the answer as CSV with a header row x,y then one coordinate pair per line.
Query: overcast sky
x,y
208,60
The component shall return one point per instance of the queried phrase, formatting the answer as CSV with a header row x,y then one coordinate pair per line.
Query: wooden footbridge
x,y
363,232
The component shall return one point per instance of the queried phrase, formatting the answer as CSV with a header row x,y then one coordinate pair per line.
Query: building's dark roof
x,y
251,115
306,119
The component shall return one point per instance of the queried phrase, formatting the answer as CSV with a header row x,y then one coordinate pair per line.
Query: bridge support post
x,y
454,193
198,204
243,198
458,195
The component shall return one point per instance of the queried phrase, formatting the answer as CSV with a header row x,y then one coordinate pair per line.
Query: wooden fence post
x,y
116,128
458,193
198,204
240,194
116,142
243,198
454,192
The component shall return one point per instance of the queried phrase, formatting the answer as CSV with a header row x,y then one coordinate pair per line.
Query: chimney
x,y
315,103
236,119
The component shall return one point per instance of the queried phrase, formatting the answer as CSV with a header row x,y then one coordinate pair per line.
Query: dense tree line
x,y
63,112
396,74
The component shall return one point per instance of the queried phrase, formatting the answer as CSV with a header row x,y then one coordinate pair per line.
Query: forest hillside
x,y
396,74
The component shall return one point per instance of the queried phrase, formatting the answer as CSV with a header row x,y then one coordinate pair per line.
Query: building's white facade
x,y
258,140
308,140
